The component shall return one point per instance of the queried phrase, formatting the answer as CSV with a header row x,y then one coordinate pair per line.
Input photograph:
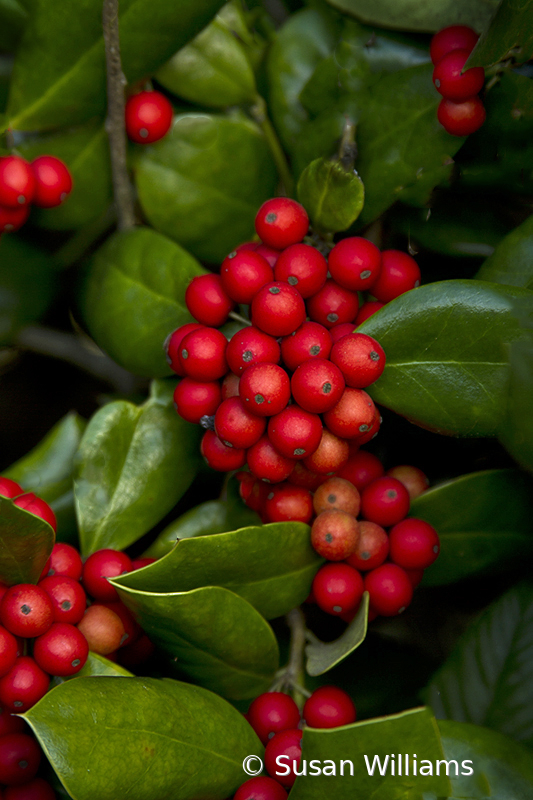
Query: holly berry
x,y
243,273
337,493
9,488
414,544
251,346
334,534
207,301
337,588
305,477
355,263
23,686
17,182
281,222
20,756
265,389
389,588
302,266
309,341
266,463
385,501
148,117
62,650
196,399
172,345
329,707
331,453
317,385
53,181
399,273
454,84
294,432
35,505
461,119
105,563
352,415
11,219
360,358
333,304
282,753
454,37
68,598
9,723
414,480
219,456
9,648
36,789
372,547
278,309
260,788
286,503
366,311
102,628
203,354
271,713
361,469
237,427
26,610
65,560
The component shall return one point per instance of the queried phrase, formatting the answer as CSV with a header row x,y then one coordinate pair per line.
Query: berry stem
x,y
114,124
348,147
259,113
239,318
294,671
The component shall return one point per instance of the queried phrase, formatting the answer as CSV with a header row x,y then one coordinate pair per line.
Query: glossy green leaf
x,y
134,297
412,732
213,70
85,151
502,768
517,436
28,284
271,566
26,542
322,656
413,15
213,516
510,33
214,637
332,196
488,679
12,20
59,73
203,183
483,521
112,737
512,261
447,355
133,465
96,665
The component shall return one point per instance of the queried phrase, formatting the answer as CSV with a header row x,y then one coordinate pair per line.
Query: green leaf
x,y
203,183
26,542
332,196
447,362
12,20
512,261
502,768
134,297
59,75
412,732
517,436
413,15
213,70
214,637
27,285
85,151
133,465
488,679
271,566
110,737
483,521
322,656
97,665
511,29
213,516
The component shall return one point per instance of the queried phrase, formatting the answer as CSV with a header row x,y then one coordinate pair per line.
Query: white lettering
x,y
377,763
284,765
469,770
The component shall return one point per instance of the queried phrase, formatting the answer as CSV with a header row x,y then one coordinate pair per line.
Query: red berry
x,y
337,493
385,501
203,354
196,399
414,480
237,427
352,416
36,789
148,117
68,598
455,37
23,685
461,119
30,502
139,563
278,309
329,707
355,263
26,610
329,456
337,588
286,503
219,456
304,477
371,432
334,534
399,273
62,650
265,389
389,588
105,563
207,301
243,273
251,346
103,629
266,463
415,576
65,560
294,432
361,469
281,222
332,305
9,648
260,788
302,266
271,713
367,310
9,488
173,342
454,84
268,253
230,386
360,358
20,756
372,548
53,181
11,219
338,331
309,341
256,497
17,182
9,723
283,752
317,385
414,544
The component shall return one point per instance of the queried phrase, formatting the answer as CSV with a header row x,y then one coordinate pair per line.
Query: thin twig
x,y
239,318
114,125
259,113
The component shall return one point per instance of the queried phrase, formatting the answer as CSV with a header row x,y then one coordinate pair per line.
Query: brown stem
x,y
348,147
115,117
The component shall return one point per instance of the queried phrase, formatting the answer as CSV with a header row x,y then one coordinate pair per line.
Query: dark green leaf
x,y
413,15
412,732
214,637
134,297
488,679
517,436
483,521
213,516
12,20
271,566
203,183
26,542
213,70
112,737
97,665
502,768
512,261
447,355
133,465
332,196
322,657
511,29
59,74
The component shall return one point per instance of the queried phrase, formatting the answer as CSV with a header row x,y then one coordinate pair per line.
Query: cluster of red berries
x,y
45,182
148,117
461,111
275,718
286,393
